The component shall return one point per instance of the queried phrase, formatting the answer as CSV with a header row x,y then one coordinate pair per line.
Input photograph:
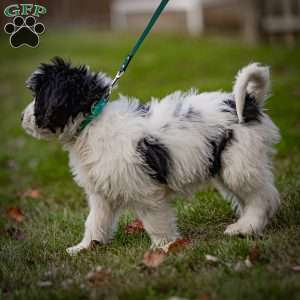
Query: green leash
x,y
99,106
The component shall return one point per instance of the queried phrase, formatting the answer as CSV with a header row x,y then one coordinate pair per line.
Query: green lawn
x,y
56,219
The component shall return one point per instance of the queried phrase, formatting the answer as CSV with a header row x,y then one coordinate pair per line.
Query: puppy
x,y
139,156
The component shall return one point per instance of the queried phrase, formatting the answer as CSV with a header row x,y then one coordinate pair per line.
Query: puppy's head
x,y
62,96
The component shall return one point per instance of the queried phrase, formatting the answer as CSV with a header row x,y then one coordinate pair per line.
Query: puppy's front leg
x,y
160,223
98,225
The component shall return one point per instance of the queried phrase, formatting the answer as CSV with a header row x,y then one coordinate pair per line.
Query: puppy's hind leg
x,y
228,195
159,222
260,204
98,225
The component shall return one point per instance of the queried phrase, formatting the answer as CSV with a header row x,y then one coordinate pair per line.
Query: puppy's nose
x,y
22,116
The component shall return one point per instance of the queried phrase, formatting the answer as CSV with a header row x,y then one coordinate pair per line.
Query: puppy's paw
x,y
82,247
240,229
77,248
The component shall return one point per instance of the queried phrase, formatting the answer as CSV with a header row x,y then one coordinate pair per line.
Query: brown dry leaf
x,y
176,246
32,193
15,233
154,258
254,254
15,213
297,92
134,227
98,276
296,268
204,296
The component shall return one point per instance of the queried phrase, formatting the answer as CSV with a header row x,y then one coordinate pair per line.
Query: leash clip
x,y
115,80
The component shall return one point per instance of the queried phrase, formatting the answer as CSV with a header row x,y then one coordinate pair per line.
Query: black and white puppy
x,y
139,156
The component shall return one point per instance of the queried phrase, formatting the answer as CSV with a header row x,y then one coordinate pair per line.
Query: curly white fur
x,y
105,162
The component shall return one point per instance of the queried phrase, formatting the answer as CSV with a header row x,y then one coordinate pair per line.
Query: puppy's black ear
x,y
63,91
43,73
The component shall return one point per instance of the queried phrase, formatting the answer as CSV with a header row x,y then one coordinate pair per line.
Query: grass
x,y
55,221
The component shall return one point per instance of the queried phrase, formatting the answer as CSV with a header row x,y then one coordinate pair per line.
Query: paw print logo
x,y
24,31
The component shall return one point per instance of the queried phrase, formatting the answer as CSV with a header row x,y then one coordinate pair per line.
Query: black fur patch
x,y
156,157
218,146
62,92
229,106
143,109
251,110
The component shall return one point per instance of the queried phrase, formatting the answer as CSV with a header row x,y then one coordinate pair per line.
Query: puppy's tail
x,y
254,80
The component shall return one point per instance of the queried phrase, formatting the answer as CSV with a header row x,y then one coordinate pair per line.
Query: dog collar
x,y
95,112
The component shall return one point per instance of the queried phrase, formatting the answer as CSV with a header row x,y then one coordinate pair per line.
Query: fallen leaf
x,y
134,227
154,258
205,296
254,254
176,246
15,233
98,276
32,193
297,92
296,268
15,214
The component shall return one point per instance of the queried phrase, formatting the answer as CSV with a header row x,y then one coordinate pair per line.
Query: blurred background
x,y
251,20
